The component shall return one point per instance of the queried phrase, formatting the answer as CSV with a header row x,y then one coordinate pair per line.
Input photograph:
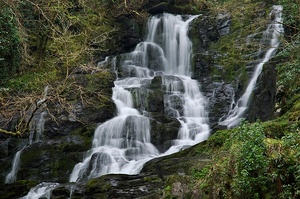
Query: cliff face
x,y
68,131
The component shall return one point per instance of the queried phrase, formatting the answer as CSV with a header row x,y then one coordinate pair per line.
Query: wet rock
x,y
262,105
51,160
163,130
178,163
123,186
220,96
223,24
155,101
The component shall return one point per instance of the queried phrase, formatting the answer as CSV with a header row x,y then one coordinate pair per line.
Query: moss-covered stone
x,y
52,160
97,185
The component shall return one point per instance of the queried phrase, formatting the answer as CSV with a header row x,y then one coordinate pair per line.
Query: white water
x,y
189,107
42,190
272,34
12,175
122,144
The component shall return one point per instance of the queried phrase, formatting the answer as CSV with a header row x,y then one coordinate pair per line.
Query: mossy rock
x,y
123,186
179,163
60,193
274,146
294,112
277,128
163,130
179,186
97,185
52,160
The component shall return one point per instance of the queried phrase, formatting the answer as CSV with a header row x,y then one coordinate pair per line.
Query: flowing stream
x,y
122,144
271,34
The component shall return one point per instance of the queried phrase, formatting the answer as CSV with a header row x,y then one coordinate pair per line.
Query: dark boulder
x,y
262,105
164,130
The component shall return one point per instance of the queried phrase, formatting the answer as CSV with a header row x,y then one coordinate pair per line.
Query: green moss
x,y
273,148
100,80
152,179
294,113
31,157
275,129
30,81
217,140
97,185
233,49
201,173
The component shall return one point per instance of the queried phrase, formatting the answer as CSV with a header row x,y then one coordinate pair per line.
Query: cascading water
x,y
42,190
274,30
122,144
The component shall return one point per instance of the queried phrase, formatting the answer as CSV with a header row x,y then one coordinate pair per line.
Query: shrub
x,y
250,178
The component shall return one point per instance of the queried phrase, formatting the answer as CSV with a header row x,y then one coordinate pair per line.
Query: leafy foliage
x,y
289,66
288,61
9,44
56,37
291,15
250,180
250,165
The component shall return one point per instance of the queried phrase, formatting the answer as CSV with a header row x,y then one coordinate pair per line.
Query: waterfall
x,y
271,34
37,125
122,144
12,175
36,128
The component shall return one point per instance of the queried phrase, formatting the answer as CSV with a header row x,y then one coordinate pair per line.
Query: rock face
x,y
205,31
221,92
65,138
263,101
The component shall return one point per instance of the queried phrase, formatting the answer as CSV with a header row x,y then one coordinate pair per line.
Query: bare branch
x,y
10,133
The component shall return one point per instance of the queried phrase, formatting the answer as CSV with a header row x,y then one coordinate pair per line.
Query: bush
x,y
250,179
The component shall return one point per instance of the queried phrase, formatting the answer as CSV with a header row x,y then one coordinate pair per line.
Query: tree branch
x,y
10,133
